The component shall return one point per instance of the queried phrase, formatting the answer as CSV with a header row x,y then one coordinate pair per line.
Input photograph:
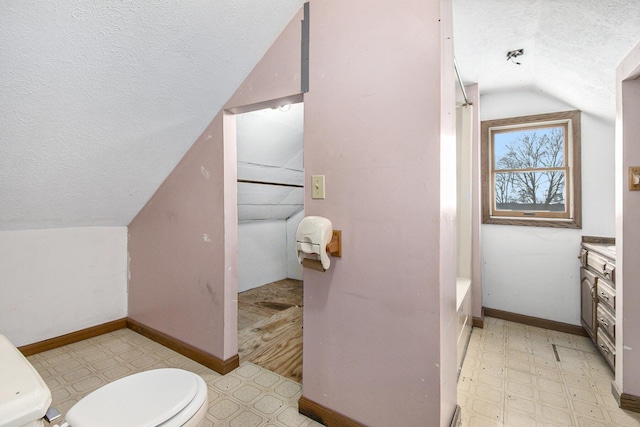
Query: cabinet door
x,y
588,301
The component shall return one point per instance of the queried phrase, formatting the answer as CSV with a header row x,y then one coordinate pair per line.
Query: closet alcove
x,y
270,206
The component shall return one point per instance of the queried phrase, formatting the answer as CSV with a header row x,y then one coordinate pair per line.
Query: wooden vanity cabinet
x,y
588,299
598,294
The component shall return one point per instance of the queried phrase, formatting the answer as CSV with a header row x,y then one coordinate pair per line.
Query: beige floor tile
x,y
557,400
520,404
493,358
519,365
512,377
519,389
249,396
492,369
488,410
476,420
554,416
624,418
551,386
520,376
491,380
513,354
489,394
518,419
587,422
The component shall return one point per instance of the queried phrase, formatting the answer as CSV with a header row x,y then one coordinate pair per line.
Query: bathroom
x,y
178,240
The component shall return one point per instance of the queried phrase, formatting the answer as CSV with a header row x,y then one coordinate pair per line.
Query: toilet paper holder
x,y
315,241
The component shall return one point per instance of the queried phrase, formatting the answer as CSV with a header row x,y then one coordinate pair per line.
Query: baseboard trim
x,y
477,322
210,361
324,415
629,402
73,337
626,401
535,321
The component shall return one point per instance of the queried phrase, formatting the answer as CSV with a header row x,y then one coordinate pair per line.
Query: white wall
x,y
57,281
294,269
534,270
266,252
262,255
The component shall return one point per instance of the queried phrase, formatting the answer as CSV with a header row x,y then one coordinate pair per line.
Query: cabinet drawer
x,y
607,349
596,262
601,265
606,322
583,257
607,295
610,272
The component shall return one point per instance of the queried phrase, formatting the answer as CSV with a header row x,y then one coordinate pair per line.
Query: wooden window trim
x,y
573,177
565,215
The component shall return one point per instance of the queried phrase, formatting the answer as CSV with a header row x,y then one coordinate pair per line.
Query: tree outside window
x,y
531,170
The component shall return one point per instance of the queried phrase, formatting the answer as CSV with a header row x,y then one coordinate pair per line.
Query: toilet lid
x,y
145,399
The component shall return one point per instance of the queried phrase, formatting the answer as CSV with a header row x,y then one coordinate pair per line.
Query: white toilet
x,y
156,398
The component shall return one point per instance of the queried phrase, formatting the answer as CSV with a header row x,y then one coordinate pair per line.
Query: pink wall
x,y
379,123
183,244
175,247
379,337
628,226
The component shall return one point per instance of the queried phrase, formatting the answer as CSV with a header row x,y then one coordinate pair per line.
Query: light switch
x,y
634,178
317,186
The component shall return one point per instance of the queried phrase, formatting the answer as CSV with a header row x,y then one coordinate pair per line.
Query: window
x,y
531,170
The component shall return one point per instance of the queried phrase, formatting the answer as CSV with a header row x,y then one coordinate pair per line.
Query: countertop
x,y
605,246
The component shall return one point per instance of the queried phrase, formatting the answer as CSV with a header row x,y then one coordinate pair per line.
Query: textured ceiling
x,y
100,100
571,47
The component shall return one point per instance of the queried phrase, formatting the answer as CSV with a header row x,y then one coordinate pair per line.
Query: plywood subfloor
x,y
263,302
270,327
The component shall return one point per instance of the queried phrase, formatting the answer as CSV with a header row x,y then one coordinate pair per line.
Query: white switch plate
x,y
317,186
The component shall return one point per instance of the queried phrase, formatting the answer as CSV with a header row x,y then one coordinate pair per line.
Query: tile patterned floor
x,y
511,377
249,396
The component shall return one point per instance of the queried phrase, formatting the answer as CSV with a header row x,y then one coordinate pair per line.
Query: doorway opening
x,y
270,194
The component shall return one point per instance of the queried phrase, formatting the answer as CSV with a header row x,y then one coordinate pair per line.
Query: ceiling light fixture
x,y
512,54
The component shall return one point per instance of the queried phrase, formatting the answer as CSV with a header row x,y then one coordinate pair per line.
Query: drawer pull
x,y
604,348
604,323
603,295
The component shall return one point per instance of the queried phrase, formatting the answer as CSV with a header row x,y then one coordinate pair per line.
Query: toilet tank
x,y
24,397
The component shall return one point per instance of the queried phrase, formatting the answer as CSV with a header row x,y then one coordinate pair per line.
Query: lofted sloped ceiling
x,y
100,100
270,163
571,47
